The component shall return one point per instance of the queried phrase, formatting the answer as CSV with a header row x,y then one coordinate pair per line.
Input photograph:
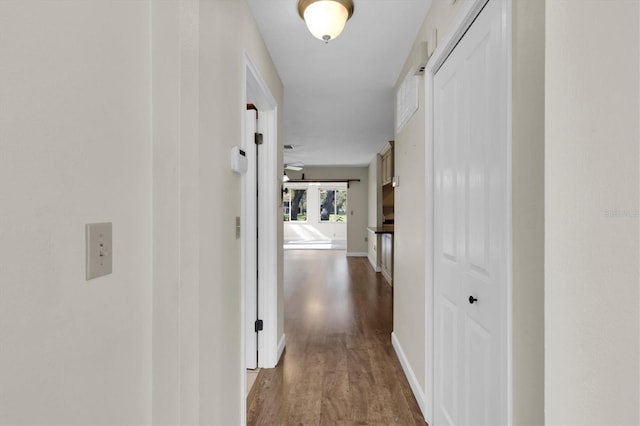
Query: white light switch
x,y
99,256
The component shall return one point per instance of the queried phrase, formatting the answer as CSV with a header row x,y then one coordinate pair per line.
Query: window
x,y
295,205
406,100
333,205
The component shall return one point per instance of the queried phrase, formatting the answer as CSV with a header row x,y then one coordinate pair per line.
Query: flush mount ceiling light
x,y
325,18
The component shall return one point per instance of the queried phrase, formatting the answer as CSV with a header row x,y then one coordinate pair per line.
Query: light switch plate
x,y
99,254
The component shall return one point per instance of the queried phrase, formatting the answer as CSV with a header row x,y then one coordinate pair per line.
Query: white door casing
x,y
249,225
256,91
471,226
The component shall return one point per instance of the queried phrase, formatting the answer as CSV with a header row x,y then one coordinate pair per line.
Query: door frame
x,y
256,91
248,225
465,19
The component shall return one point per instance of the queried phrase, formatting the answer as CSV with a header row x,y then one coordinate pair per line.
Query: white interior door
x,y
471,259
249,226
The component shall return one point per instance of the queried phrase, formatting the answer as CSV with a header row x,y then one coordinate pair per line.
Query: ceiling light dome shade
x,y
325,18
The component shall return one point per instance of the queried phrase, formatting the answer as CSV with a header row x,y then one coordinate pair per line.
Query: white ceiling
x,y
338,107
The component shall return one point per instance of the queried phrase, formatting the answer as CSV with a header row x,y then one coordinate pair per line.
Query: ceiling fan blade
x,y
292,167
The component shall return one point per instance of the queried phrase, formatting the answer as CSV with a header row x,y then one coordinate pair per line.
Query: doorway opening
x,y
315,216
259,226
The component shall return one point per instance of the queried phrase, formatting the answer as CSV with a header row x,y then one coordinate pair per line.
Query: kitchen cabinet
x,y
387,164
383,237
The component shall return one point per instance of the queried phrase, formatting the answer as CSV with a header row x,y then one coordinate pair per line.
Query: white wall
x,y
357,199
528,212
199,69
313,228
528,201
592,134
375,192
226,28
175,80
375,209
124,112
409,244
75,148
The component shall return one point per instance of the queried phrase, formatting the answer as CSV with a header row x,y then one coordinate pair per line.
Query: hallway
x,y
339,366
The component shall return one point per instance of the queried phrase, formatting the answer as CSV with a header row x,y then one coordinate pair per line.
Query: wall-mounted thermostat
x,y
239,160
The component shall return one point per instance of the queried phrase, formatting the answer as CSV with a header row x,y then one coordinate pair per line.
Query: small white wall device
x,y
99,260
239,160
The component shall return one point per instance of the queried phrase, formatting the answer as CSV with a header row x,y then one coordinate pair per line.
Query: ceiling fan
x,y
295,167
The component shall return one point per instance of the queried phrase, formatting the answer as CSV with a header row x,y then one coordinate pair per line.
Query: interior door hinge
x,y
258,325
258,138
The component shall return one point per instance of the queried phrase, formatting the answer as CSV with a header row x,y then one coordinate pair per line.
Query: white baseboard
x,y
281,345
388,277
375,267
357,254
411,377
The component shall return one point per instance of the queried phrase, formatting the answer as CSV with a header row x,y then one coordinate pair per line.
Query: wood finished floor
x,y
339,367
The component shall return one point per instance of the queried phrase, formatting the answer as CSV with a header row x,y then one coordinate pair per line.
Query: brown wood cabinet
x,y
387,164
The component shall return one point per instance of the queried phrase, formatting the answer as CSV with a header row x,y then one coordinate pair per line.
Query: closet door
x,y
471,259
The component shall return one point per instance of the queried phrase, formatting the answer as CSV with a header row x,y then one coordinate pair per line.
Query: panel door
x,y
470,228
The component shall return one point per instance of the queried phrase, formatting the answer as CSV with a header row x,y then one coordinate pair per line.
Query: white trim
x,y
459,27
358,254
373,265
268,203
268,242
387,276
408,372
246,245
281,346
248,252
429,302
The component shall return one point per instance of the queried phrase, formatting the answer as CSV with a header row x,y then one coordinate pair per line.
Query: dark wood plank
x,y
339,367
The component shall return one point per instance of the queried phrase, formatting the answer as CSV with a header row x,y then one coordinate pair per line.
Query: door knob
x,y
472,299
